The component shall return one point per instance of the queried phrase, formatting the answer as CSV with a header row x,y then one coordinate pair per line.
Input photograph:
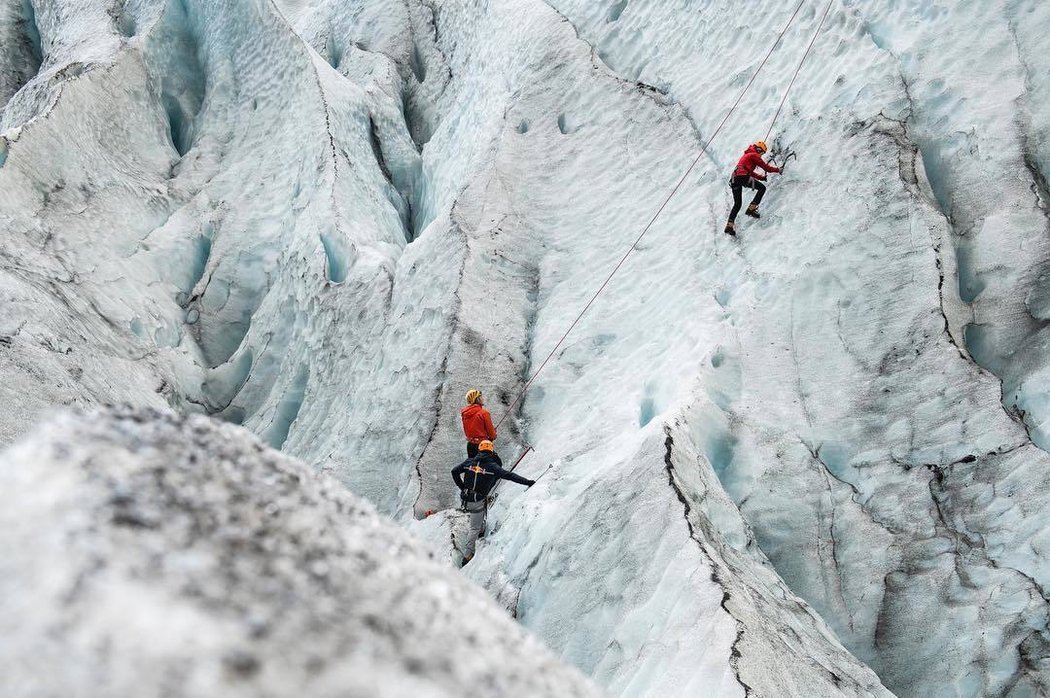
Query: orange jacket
x,y
477,424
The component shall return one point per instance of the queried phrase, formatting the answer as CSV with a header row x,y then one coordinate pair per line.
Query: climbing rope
x,y
798,68
660,210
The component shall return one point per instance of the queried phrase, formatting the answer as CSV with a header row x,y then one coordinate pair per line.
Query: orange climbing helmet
x,y
760,146
473,395
485,445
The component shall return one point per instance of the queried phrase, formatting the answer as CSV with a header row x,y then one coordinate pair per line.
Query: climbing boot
x,y
731,228
752,211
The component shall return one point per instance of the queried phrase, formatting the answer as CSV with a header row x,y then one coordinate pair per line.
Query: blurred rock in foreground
x,y
147,554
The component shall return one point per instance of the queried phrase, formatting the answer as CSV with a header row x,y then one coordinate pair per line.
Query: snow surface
x,y
326,221
154,555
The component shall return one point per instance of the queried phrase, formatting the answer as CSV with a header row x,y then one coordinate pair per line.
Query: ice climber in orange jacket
x,y
477,423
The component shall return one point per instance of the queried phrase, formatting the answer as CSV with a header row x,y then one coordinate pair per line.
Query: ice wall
x,y
842,411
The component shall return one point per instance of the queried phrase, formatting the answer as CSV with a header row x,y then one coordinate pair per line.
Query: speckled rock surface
x,y
147,554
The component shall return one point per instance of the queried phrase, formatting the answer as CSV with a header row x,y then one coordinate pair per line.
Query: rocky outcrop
x,y
147,554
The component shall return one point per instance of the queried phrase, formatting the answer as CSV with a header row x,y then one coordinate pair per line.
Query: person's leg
x,y
478,513
760,191
737,192
472,449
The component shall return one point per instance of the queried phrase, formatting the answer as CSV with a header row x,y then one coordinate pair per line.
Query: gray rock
x,y
147,554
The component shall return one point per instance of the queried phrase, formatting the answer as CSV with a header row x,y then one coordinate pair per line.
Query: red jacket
x,y
477,424
752,159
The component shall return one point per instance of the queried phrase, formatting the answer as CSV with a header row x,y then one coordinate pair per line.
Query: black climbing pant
x,y
737,184
472,449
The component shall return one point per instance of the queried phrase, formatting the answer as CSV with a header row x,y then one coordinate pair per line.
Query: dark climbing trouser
x,y
737,184
472,449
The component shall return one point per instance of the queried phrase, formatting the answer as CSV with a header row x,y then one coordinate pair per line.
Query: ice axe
x,y
779,150
550,467
520,458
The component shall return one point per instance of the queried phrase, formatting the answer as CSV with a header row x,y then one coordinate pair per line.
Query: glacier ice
x,y
779,462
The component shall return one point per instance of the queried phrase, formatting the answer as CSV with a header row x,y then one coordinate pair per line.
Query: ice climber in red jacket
x,y
477,423
745,175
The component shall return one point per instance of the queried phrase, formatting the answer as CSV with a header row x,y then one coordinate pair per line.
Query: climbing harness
x,y
465,500
670,196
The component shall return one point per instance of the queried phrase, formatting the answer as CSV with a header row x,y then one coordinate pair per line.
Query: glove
x,y
531,483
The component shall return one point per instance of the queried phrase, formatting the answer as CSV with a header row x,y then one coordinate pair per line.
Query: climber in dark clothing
x,y
476,476
745,175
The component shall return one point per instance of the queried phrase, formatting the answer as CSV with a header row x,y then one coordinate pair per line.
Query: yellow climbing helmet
x,y
473,395
761,146
485,445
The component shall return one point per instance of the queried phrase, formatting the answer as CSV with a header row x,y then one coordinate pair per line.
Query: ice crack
x,y
734,652
973,542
